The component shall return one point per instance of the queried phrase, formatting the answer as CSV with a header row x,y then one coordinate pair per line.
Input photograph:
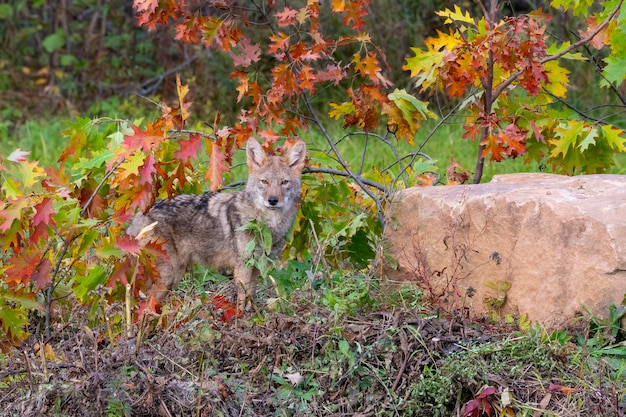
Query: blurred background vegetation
x,y
62,58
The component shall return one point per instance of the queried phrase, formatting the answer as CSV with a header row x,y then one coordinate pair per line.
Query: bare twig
x,y
342,161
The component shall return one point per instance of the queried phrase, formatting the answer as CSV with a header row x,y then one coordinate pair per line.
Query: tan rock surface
x,y
560,242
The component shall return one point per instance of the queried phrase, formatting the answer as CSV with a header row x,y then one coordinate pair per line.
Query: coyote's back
x,y
205,228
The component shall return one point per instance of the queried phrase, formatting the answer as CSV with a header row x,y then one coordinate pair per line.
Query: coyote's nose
x,y
273,200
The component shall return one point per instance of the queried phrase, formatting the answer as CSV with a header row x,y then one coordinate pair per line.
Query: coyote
x,y
205,228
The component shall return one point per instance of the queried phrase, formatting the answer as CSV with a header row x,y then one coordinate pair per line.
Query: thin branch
x,y
571,107
424,142
100,184
342,161
330,171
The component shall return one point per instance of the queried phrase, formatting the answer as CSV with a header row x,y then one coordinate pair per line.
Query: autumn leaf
x,y
18,155
245,54
217,167
22,266
287,17
600,39
129,245
307,79
146,6
30,173
44,212
221,304
131,165
491,146
42,275
183,103
456,16
12,211
189,149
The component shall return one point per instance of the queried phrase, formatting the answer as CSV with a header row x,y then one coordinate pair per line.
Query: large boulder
x,y
546,245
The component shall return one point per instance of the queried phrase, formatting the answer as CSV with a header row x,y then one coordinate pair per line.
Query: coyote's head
x,y
273,180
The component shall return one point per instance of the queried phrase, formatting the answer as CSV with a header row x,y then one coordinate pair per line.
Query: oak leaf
x,y
217,167
189,149
42,275
245,54
44,212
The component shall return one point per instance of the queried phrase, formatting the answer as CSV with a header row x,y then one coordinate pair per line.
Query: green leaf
x,y
568,132
11,189
12,320
54,42
614,137
590,139
423,66
578,7
96,276
344,347
408,105
96,161
267,239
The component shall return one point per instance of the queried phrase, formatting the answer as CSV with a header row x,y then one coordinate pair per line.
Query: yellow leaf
x,y
30,172
341,109
559,79
445,41
456,16
131,165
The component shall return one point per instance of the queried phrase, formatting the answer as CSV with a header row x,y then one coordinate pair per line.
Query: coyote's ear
x,y
256,154
295,155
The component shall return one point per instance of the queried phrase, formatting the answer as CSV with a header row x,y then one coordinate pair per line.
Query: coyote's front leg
x,y
245,280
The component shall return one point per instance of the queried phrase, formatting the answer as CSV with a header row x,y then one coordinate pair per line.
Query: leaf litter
x,y
310,362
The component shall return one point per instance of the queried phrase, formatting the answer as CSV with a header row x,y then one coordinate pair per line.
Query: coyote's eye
x,y
285,182
264,181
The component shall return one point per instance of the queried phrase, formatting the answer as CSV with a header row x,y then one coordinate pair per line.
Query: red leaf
x,y
42,275
269,136
150,306
121,273
486,392
229,310
128,244
146,170
22,266
40,232
188,148
44,210
471,409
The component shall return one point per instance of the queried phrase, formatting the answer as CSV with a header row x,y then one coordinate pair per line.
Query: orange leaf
x,y
229,310
217,167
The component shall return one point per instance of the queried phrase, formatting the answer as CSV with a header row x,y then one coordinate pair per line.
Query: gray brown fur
x,y
203,228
